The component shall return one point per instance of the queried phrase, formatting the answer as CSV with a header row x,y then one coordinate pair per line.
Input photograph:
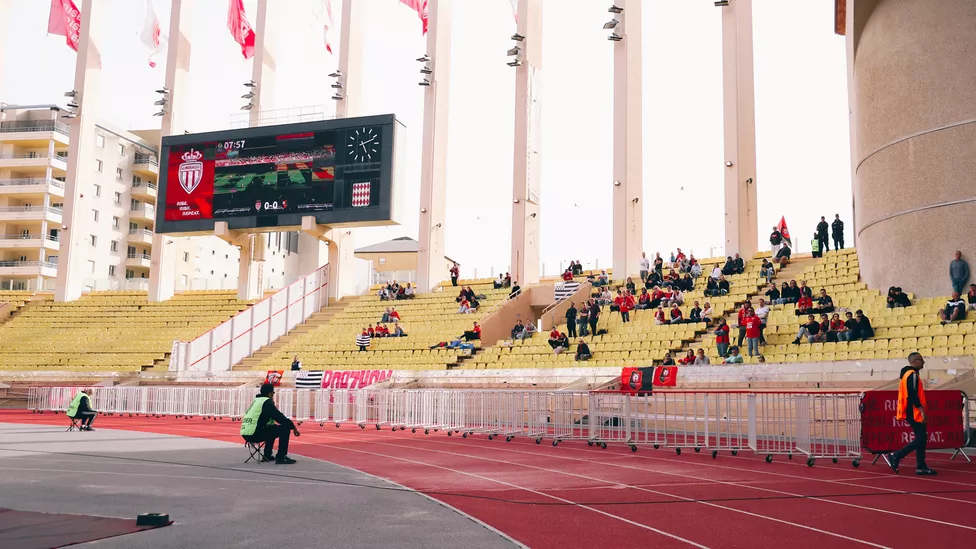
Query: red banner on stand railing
x,y
643,380
881,432
274,377
353,379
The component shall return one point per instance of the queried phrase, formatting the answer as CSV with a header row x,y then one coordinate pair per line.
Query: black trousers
x,y
268,436
86,418
593,322
917,445
571,327
838,242
454,280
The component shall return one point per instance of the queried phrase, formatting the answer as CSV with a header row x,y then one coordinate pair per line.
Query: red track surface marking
x,y
765,505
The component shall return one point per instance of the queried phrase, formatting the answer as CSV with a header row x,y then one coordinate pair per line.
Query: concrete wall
x,y
914,111
528,306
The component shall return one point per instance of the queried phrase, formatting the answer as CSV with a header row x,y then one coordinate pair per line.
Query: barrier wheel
x,y
657,446
464,435
810,462
697,450
735,452
790,456
491,437
538,440
362,425
677,451
603,445
426,431
321,425
413,430
449,433
856,463
714,454
508,438
834,460
769,458
555,443
337,425
589,443
633,447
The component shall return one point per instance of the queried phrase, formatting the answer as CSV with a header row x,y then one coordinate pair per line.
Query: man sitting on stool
x,y
264,423
80,409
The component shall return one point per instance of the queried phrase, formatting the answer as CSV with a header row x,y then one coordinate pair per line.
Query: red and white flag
x,y
240,28
419,6
514,10
65,20
784,231
324,14
152,34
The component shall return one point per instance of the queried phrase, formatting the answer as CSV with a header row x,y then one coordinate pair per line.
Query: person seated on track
x,y
81,409
264,423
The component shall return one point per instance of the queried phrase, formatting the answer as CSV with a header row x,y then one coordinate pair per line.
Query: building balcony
x,y
31,185
28,161
146,165
30,241
144,190
144,212
34,133
136,284
28,268
31,213
140,236
138,261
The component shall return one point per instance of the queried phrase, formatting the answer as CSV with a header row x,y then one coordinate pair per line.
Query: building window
x,y
121,150
95,216
186,257
183,280
98,165
99,141
111,270
115,246
91,267
118,198
115,222
118,174
98,191
136,180
129,273
92,240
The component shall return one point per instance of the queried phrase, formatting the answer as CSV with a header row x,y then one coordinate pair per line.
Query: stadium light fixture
x,y
518,37
248,95
251,84
423,59
336,74
514,63
247,107
615,9
614,37
68,115
424,82
722,3
728,163
160,102
163,91
71,94
635,200
611,24
162,112
336,86
423,210
426,70
616,183
514,51
72,104
336,97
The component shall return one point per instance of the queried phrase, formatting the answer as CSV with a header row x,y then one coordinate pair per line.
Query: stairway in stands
x,y
314,322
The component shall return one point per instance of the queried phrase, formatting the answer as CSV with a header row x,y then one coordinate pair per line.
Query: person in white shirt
x,y
716,273
701,358
707,313
762,311
696,270
645,266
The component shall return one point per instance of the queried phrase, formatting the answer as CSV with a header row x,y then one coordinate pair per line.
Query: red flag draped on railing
x,y
419,6
781,227
65,20
240,28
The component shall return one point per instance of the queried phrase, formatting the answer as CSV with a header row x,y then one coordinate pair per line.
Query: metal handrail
x,y
145,232
146,159
28,264
28,237
18,209
32,181
139,256
34,126
149,184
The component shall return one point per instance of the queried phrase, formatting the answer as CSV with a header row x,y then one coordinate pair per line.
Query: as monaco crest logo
x,y
257,205
191,170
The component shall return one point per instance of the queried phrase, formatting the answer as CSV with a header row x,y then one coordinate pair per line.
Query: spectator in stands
x,y
465,306
562,344
688,359
694,315
583,350
571,313
409,292
398,330
644,300
677,317
701,359
711,287
897,299
518,328
696,269
722,338
734,356
382,330
707,313
594,316
958,273
762,311
767,271
472,334
362,340
554,337
971,297
668,360
508,280
837,232
824,329
602,280
527,331
773,292
626,305
775,241
741,321
687,283
644,266
568,275
80,409
582,320
821,235
677,297
263,422
825,304
500,283
815,248
753,329
838,329
716,273
455,273
370,331
659,264
384,295
463,294
723,286
739,265
578,269
296,364
955,309
660,318
864,329
394,315
789,294
516,290
729,267
810,330
783,256
805,290
630,285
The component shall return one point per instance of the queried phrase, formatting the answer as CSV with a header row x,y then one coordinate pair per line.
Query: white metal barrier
x,y
816,425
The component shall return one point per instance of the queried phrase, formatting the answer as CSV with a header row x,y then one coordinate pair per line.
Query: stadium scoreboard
x,y
340,171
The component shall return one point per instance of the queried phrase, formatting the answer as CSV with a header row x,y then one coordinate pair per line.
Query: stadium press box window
x,y
340,171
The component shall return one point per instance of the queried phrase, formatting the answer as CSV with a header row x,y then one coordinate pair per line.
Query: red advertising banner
x,y
274,377
353,379
642,380
881,432
190,185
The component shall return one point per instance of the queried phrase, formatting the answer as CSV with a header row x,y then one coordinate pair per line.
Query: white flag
x,y
323,12
515,9
152,34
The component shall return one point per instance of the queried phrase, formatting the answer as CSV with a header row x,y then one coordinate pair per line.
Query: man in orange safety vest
x,y
911,408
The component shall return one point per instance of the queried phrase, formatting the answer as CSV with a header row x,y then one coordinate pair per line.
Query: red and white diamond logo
x,y
360,194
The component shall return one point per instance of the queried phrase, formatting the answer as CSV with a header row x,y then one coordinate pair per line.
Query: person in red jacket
x,y
741,321
689,358
677,317
804,306
753,324
722,338
625,304
394,315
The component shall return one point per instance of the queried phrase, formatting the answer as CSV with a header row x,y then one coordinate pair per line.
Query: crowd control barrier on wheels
x,y
817,425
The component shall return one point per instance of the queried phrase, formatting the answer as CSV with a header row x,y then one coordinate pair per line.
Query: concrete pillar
x,y
162,271
915,125
526,191
851,235
263,64
250,274
354,16
433,171
739,100
628,153
341,259
77,202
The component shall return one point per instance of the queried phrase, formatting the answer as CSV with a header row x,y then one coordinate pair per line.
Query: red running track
x,y
574,495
